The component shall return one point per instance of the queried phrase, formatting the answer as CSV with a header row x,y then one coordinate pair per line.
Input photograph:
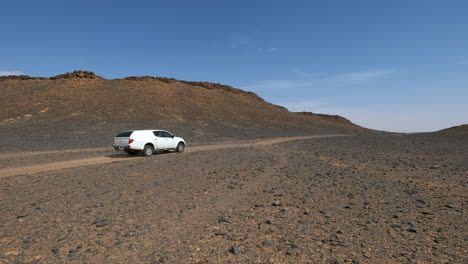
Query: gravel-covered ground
x,y
352,199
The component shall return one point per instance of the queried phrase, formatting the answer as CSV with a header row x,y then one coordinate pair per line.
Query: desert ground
x,y
319,198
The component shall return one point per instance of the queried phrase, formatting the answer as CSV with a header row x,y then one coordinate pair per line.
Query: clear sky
x,y
390,65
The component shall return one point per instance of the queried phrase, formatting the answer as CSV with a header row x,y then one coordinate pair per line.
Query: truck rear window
x,y
124,134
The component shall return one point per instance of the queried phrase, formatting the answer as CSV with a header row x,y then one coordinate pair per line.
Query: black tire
x,y
180,147
148,150
132,152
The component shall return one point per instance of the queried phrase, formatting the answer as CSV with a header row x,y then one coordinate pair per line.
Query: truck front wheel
x,y
180,147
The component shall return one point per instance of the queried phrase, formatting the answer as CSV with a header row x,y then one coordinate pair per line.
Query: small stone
x,y
72,252
28,240
220,233
435,167
412,230
235,250
367,255
267,243
223,220
293,246
135,234
100,222
276,203
421,201
290,251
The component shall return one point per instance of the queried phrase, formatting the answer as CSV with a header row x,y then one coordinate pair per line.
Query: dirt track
x,y
357,199
108,158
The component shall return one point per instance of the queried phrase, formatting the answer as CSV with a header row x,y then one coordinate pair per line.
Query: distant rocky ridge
x,y
329,117
83,95
68,75
461,128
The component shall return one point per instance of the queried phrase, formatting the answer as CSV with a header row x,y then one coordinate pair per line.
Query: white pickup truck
x,y
147,141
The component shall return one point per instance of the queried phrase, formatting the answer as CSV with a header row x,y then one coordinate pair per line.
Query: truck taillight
x,y
130,141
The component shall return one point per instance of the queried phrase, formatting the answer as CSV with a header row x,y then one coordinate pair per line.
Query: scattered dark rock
x,y
235,250
28,240
77,75
134,234
223,220
293,246
267,243
220,233
101,222
421,201
22,215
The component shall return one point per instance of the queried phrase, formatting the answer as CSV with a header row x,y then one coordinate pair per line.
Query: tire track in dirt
x,y
50,152
52,166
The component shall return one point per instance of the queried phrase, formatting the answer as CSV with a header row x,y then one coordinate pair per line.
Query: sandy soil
x,y
343,199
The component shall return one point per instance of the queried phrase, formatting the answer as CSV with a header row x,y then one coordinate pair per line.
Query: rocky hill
x,y
461,128
83,101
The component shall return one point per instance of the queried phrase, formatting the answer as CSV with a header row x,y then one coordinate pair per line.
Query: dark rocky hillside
x,y
82,103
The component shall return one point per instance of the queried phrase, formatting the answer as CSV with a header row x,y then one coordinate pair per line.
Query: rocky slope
x,y
81,104
84,95
461,128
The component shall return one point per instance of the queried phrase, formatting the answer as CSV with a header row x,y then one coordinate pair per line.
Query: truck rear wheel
x,y
148,150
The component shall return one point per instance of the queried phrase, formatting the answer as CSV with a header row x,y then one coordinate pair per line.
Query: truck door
x,y
169,140
159,140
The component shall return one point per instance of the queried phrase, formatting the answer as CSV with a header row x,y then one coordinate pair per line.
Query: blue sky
x,y
390,65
